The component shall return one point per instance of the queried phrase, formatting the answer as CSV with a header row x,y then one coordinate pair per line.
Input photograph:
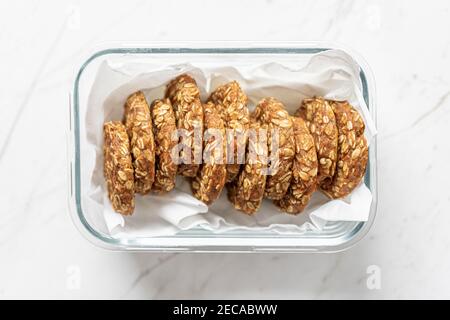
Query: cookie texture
x,y
210,180
164,128
304,171
118,167
138,124
246,192
185,98
231,100
272,113
352,154
319,116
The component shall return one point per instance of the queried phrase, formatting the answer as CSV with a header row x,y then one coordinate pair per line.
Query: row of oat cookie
x,y
153,143
137,151
337,131
321,146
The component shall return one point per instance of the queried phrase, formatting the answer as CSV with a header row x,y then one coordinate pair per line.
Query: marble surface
x,y
406,44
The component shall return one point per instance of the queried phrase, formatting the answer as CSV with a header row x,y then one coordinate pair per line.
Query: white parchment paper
x,y
332,74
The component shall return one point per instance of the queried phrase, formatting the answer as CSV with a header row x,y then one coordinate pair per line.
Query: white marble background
x,y
407,45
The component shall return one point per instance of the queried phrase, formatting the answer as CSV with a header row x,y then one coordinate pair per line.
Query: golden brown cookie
x,y
232,102
138,123
352,152
118,167
321,122
270,111
210,179
304,170
247,190
164,127
185,98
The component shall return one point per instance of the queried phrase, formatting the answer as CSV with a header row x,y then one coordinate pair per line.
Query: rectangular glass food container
x,y
336,236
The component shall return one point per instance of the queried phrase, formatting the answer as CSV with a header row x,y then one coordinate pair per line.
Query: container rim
x,y
200,245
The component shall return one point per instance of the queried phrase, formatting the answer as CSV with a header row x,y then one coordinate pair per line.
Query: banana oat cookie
x,y
247,190
210,179
185,98
118,167
321,122
270,111
304,171
232,103
138,124
352,152
164,126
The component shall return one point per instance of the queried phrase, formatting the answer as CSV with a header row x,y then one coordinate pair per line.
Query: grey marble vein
x,y
441,102
147,271
438,105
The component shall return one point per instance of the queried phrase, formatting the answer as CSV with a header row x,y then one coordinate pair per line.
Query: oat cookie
x,y
247,190
270,111
232,102
164,126
118,167
185,98
352,153
304,170
210,179
321,122
138,124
